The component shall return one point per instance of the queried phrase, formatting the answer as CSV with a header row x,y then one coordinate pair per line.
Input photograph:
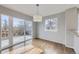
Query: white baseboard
x,y
69,46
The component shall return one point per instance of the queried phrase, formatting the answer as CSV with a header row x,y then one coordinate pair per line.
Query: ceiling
x,y
44,9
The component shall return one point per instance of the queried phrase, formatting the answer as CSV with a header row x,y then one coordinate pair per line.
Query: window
x,y
14,33
4,31
51,24
18,30
28,32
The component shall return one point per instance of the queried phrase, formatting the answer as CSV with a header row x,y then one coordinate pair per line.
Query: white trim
x,y
0,33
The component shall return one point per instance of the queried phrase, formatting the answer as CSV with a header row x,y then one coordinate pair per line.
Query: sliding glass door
x,y
4,31
22,32
18,32
14,33
28,32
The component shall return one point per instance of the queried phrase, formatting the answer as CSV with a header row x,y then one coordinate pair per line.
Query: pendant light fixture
x,y
37,17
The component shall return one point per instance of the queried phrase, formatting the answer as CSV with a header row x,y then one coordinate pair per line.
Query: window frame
x,y
11,45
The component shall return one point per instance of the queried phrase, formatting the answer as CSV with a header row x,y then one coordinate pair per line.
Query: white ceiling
x,y
44,9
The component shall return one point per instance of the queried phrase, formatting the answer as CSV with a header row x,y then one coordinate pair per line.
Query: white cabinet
x,y
76,44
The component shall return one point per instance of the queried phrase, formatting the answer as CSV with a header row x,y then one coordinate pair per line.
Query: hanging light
x,y
37,17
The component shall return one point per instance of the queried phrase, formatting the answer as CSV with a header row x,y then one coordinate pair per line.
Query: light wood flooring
x,y
52,47
40,46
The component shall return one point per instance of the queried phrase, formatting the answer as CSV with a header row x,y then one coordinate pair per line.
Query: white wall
x,y
34,30
67,24
58,36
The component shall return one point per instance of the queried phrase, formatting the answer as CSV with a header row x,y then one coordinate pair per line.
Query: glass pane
x,y
18,30
5,51
18,46
4,31
28,30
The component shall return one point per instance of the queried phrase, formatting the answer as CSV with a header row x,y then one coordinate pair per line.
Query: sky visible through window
x,y
4,20
16,21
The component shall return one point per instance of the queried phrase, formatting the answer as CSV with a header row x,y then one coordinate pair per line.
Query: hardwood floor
x,y
42,46
52,47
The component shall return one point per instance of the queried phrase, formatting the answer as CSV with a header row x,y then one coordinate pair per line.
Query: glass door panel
x,y
28,32
18,46
4,31
14,33
18,30
6,51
